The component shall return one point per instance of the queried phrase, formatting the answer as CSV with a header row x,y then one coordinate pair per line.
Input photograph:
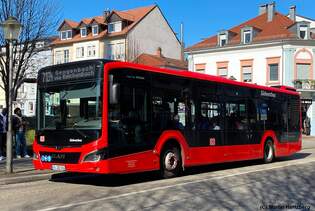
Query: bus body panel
x,y
148,160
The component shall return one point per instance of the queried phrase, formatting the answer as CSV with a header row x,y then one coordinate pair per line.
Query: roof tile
x,y
277,29
158,61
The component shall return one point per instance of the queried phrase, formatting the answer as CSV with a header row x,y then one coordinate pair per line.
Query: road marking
x,y
171,186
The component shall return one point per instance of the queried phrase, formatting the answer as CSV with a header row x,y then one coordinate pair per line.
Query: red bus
x,y
107,117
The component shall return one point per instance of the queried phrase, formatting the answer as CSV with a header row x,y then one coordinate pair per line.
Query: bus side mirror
x,y
114,94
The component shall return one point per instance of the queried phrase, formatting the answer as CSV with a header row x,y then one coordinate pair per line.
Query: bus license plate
x,y
58,168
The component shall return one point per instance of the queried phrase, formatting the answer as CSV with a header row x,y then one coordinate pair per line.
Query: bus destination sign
x,y
71,73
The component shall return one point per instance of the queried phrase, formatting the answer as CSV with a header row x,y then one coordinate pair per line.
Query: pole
x,y
182,40
9,163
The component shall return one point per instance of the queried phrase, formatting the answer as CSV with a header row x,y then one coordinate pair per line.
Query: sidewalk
x,y
23,172
308,138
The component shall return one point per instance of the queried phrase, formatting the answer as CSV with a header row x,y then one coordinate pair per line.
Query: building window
x,y
80,52
59,57
247,73
116,51
303,71
31,107
222,69
200,68
273,72
66,35
95,30
303,32
115,27
63,35
246,70
91,51
66,56
69,34
83,32
222,40
223,72
247,36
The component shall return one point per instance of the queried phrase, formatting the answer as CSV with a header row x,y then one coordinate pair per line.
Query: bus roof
x,y
201,76
182,73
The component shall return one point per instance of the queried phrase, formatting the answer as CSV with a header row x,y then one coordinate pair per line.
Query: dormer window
x,y
95,30
303,32
115,27
247,36
222,39
83,32
66,35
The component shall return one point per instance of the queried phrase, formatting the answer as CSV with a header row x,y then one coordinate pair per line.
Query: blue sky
x,y
201,18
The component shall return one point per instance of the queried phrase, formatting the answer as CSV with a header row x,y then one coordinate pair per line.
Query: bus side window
x,y
236,114
210,116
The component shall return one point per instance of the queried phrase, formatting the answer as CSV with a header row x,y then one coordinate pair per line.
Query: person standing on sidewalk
x,y
19,127
3,132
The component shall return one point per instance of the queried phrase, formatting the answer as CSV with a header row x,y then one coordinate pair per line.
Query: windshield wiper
x,y
79,131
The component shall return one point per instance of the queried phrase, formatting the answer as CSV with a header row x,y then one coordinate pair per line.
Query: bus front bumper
x,y
83,160
100,167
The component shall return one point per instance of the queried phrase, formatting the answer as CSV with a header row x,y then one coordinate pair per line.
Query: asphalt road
x,y
287,183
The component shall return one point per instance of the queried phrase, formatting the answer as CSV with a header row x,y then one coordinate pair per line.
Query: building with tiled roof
x,y
271,49
116,35
160,61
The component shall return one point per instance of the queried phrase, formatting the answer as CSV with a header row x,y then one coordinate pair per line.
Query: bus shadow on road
x,y
129,179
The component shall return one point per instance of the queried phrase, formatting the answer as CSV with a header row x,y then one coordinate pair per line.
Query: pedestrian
x,y
3,132
19,127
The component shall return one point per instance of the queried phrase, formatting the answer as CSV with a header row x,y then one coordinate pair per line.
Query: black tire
x,y
171,162
269,151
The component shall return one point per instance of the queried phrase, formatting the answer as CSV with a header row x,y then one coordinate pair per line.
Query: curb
x,y
22,179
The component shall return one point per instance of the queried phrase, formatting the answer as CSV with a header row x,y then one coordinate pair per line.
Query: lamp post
x,y
11,28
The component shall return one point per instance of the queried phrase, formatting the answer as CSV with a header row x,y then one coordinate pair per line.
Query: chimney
x,y
263,9
159,52
106,13
271,11
292,13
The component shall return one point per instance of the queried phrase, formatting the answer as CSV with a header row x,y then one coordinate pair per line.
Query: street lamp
x,y
11,28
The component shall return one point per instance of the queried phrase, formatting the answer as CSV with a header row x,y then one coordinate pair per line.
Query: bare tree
x,y
39,19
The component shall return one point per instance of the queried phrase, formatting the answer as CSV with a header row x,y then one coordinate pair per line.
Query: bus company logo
x,y
212,141
131,163
267,94
75,140
58,156
46,158
42,138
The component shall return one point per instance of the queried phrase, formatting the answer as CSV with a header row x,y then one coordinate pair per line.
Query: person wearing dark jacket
x,y
19,127
3,131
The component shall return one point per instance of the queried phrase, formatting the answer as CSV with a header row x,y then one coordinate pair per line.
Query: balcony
x,y
304,84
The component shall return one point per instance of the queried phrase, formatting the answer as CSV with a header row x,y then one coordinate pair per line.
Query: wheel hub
x,y
171,161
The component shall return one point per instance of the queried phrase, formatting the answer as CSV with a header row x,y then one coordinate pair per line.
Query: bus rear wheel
x,y
171,163
269,152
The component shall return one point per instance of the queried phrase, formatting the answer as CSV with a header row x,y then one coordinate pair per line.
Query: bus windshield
x,y
76,106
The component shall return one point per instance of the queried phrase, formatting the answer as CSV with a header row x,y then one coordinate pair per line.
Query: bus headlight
x,y
95,156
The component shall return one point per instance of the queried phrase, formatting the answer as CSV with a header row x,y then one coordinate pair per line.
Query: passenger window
x,y
210,118
236,114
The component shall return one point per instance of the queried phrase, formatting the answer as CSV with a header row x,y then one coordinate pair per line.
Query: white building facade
x,y
266,55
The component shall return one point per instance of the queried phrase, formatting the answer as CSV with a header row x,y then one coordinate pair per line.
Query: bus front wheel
x,y
269,152
171,163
